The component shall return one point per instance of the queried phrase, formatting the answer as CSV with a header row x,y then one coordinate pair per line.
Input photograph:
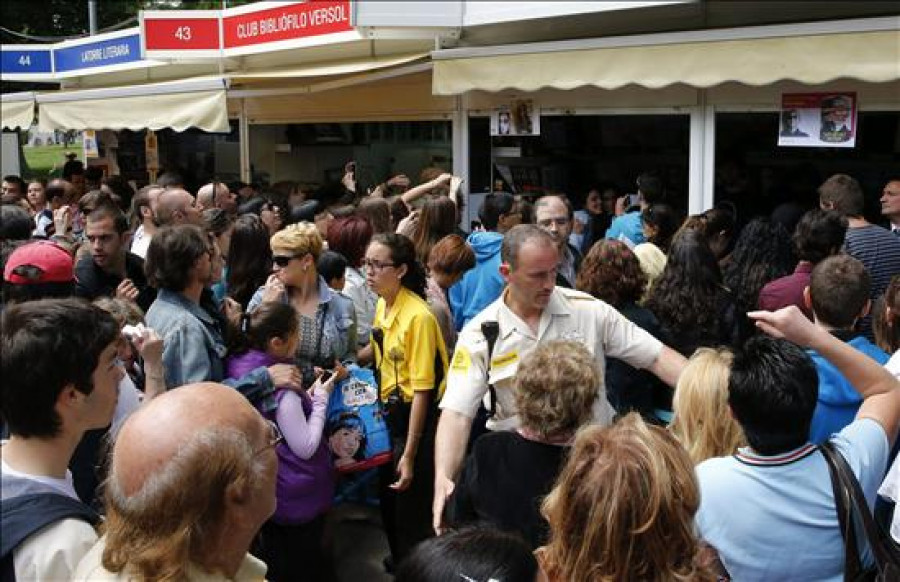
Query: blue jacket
x,y
482,285
838,401
338,328
628,226
194,346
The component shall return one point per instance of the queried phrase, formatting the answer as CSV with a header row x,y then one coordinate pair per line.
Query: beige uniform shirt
x,y
569,315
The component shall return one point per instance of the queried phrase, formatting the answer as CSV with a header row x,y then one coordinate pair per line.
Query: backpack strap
x,y
491,330
26,514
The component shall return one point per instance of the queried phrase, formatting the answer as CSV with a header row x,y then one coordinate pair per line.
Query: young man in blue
x,y
769,510
482,285
628,227
838,295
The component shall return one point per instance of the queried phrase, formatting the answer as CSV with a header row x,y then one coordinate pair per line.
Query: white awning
x,y
328,69
812,53
17,110
179,105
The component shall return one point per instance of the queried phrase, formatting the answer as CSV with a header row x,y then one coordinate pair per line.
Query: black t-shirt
x,y
504,481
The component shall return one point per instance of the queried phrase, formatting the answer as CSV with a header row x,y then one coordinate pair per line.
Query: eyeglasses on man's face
x,y
275,437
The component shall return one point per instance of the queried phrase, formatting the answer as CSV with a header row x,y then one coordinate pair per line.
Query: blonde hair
x,y
173,519
703,422
623,508
298,239
556,387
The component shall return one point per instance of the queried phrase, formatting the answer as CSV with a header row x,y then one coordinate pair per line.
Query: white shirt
x,y
53,552
140,241
569,315
364,300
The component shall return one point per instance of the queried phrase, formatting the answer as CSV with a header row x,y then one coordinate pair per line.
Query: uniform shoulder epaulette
x,y
577,295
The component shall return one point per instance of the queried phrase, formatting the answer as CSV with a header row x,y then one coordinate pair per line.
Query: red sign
x,y
167,34
288,22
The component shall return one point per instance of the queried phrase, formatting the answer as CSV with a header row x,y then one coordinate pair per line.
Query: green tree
x,y
52,19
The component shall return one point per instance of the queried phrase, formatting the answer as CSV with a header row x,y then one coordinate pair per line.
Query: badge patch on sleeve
x,y
462,361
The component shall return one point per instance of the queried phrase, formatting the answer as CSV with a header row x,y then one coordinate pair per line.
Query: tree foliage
x,y
69,18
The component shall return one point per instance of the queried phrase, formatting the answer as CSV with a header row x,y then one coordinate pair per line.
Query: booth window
x,y
757,175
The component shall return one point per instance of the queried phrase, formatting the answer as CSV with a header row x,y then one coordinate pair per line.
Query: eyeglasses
x,y
275,438
376,265
283,260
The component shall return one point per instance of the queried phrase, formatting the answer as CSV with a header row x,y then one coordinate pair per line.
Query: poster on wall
x,y
818,120
89,141
520,117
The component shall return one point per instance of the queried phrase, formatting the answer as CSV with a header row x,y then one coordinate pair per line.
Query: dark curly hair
x,y
686,296
763,253
612,272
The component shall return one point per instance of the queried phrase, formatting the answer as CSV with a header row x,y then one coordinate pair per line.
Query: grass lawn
x,y
42,159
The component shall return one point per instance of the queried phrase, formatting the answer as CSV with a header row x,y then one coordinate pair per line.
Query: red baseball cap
x,y
39,262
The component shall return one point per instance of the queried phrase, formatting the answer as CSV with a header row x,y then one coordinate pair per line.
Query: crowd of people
x,y
613,393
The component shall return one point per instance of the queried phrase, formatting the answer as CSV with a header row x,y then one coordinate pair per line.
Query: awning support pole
x,y
244,141
702,155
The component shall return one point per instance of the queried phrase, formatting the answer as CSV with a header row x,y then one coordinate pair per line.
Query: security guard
x,y
531,310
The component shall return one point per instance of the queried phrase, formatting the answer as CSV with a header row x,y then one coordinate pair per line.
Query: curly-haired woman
x,y
612,272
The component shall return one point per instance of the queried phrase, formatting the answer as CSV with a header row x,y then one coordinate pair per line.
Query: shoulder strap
x,y
491,330
378,340
886,556
852,565
24,515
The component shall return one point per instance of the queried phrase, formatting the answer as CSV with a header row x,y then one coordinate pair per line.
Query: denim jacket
x,y
339,334
194,347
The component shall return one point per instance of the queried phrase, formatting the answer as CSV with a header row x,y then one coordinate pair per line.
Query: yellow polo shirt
x,y
415,357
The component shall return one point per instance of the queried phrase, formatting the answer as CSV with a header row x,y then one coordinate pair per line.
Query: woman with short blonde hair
x,y
623,509
702,421
327,318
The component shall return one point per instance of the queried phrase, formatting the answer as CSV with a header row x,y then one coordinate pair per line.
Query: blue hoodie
x,y
482,285
838,401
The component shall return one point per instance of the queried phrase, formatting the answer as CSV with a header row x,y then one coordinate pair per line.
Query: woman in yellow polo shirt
x,y
411,364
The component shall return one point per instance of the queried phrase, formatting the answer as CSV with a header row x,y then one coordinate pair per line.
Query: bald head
x,y
177,206
153,435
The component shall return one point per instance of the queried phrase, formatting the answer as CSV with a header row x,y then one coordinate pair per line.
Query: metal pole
x,y
92,17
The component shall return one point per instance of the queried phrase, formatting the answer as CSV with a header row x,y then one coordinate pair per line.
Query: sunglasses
x,y
283,260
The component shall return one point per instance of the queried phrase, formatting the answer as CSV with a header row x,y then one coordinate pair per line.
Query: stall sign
x,y
191,32
284,21
91,53
26,60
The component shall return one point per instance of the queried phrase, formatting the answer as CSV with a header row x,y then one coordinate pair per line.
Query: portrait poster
x,y
89,141
520,117
818,120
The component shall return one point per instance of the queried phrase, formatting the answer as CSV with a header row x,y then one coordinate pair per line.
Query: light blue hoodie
x,y
482,285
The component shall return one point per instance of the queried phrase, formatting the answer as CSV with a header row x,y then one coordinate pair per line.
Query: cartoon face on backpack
x,y
347,439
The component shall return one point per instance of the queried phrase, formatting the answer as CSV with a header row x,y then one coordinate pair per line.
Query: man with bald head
x,y
217,195
191,480
177,206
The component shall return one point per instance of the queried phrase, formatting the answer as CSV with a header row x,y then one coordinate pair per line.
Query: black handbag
x,y
850,502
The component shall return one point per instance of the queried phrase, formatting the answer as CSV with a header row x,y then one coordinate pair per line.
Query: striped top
x,y
879,250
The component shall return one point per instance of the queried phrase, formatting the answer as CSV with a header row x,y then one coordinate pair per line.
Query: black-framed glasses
x,y
283,260
374,265
275,438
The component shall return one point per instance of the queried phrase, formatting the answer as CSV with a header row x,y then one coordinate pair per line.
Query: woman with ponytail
x,y
411,365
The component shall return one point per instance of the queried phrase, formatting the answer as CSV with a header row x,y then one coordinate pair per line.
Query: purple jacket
x,y
305,486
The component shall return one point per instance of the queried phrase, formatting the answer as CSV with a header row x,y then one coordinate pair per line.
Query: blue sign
x,y
19,61
103,53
